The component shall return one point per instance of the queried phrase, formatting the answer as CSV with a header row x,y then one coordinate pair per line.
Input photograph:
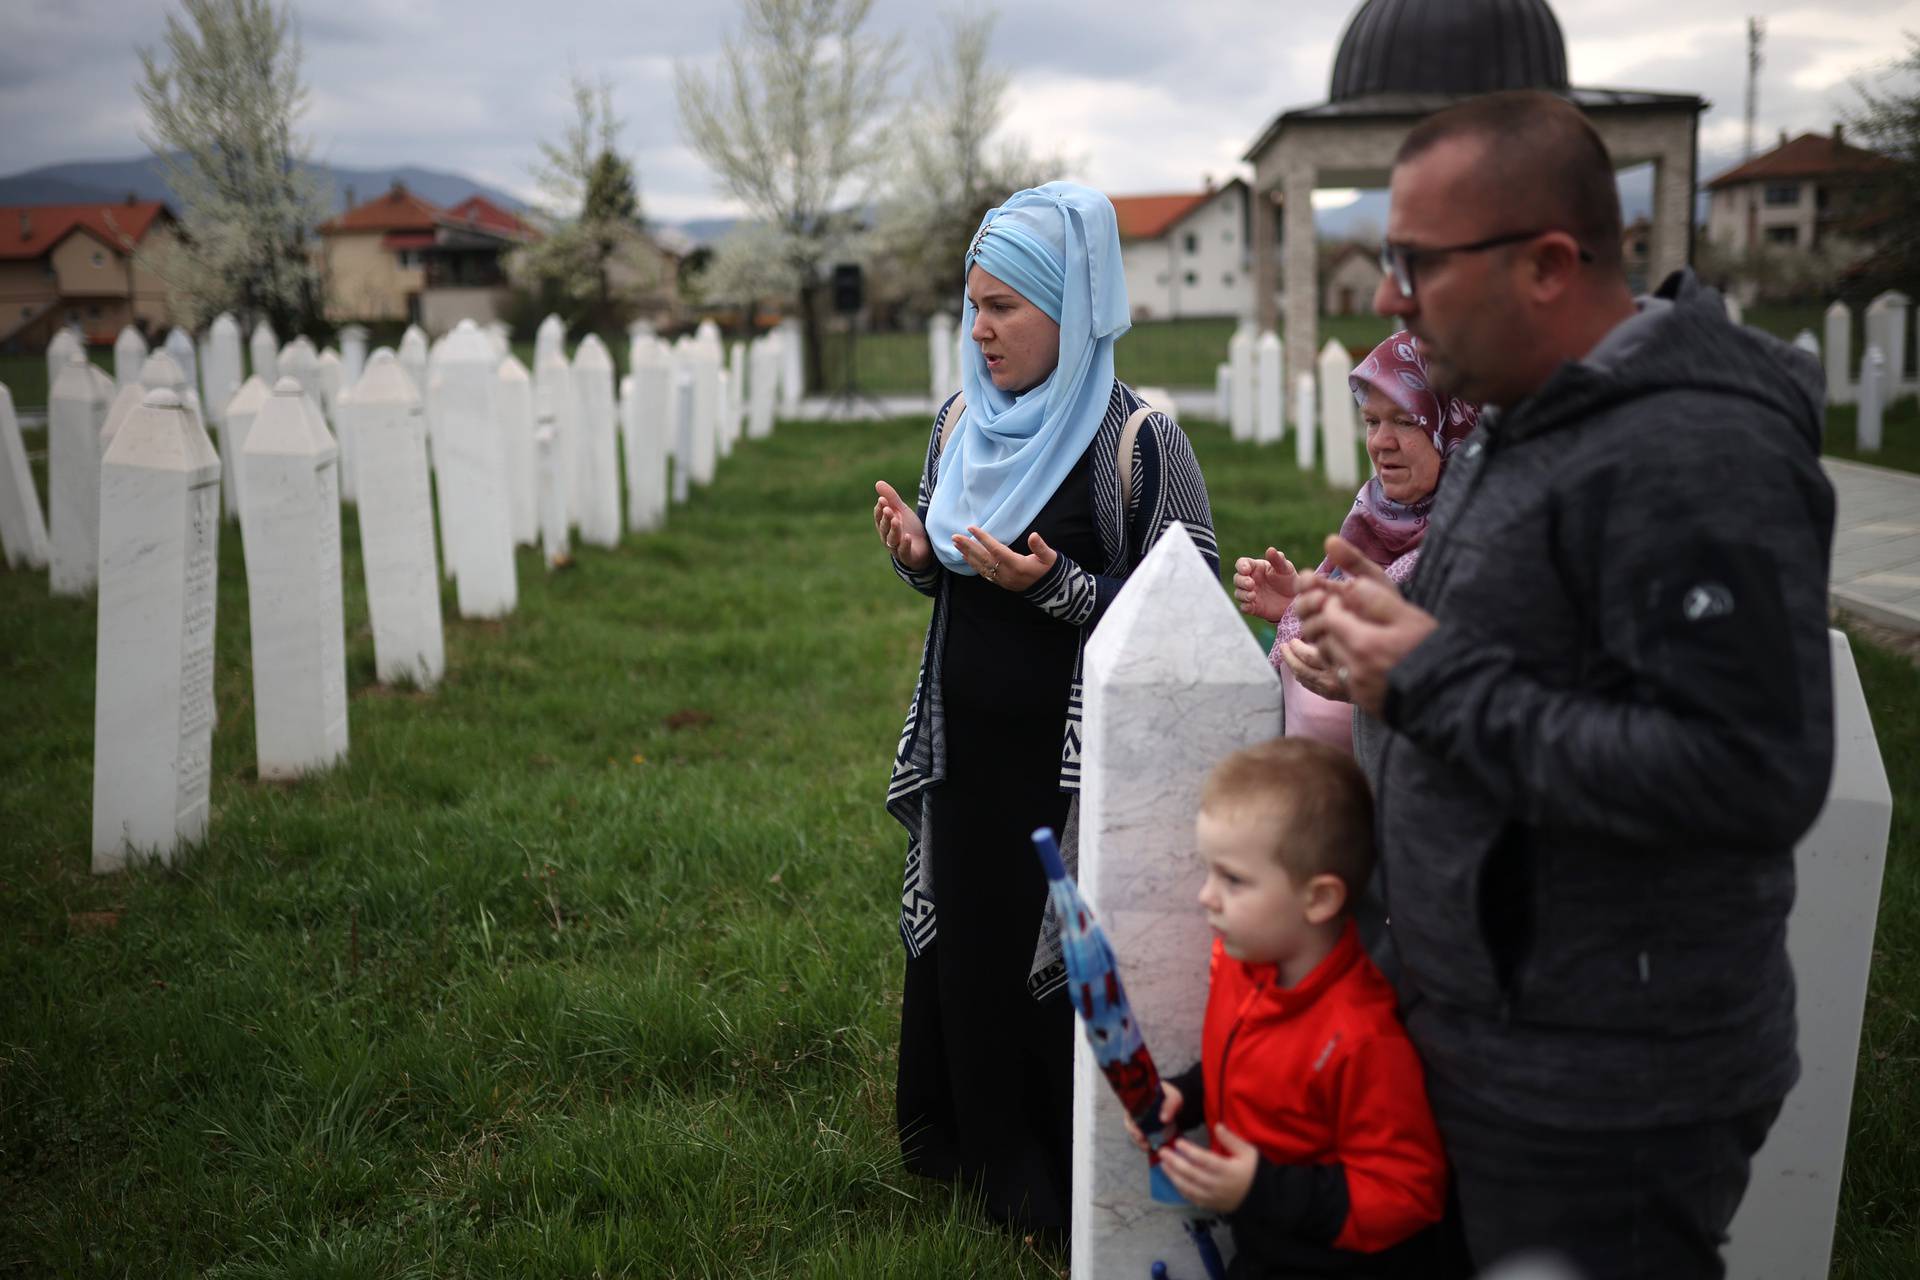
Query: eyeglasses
x,y
1398,260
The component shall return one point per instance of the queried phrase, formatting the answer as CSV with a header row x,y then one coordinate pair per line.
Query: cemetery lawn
x,y
585,963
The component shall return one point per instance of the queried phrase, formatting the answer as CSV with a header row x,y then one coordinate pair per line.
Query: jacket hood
x,y
1680,340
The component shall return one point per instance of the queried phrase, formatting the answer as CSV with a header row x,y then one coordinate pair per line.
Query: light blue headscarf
x,y
1059,247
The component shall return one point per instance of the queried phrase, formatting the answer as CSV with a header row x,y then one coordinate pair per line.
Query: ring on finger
x,y
1340,674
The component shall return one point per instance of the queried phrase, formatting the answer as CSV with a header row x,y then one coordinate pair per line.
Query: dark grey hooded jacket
x,y
1601,761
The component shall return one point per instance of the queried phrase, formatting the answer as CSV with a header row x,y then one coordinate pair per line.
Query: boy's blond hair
x,y
1314,800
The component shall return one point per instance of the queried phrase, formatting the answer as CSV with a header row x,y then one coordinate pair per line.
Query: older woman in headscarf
x,y
1045,482
1411,431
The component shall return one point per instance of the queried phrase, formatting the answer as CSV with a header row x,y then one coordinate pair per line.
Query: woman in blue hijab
x,y
1028,520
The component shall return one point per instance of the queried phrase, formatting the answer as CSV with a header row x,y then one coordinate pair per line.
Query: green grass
x,y
539,984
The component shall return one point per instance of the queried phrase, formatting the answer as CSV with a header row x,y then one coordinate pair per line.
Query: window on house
x,y
1193,242
1226,237
1779,193
1161,278
1783,235
1193,278
1227,279
99,258
93,311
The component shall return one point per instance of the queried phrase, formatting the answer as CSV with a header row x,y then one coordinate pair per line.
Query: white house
x,y
1187,254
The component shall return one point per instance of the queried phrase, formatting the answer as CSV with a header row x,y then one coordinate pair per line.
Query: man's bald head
x,y
1540,164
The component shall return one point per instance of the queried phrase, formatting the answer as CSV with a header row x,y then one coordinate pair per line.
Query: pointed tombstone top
x,y
1333,351
129,399
1268,341
129,340
1836,310
592,355
648,351
1891,298
385,382
159,434
1242,340
253,393
1807,342
263,329
413,343
1173,622
282,426
76,379
103,383
329,356
162,370
511,370
224,325
466,345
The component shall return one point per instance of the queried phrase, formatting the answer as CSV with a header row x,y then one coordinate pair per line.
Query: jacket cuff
x,y
1065,592
1304,1202
925,581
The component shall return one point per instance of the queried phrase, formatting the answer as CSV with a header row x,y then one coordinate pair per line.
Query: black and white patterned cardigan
x,y
1166,487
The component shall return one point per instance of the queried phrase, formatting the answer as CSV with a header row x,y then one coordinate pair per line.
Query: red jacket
x,y
1322,1075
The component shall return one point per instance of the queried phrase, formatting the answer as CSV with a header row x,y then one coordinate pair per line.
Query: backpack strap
x,y
1124,462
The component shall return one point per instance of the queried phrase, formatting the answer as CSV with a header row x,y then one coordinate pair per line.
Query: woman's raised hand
x,y
1265,587
900,529
1000,564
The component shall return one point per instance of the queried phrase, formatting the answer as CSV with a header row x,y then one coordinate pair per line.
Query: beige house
x,y
75,264
1352,277
401,257
1187,254
1800,195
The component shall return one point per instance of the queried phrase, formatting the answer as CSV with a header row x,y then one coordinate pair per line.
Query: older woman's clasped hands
x,y
1358,625
1265,588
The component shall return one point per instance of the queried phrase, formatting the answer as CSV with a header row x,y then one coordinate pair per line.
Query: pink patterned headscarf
x,y
1389,532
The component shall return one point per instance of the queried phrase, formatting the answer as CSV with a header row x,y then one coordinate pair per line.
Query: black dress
x,y
986,1072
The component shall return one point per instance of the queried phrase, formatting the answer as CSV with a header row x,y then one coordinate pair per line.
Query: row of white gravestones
x,y
596,461
1886,328
291,525
1339,416
1174,684
23,532
645,424
153,704
396,525
1250,388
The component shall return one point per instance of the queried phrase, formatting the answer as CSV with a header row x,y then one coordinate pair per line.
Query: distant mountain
x,y
114,180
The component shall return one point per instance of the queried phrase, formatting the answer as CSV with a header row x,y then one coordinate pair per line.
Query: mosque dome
x,y
1449,46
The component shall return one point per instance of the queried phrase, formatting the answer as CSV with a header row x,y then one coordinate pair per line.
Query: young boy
x,y
1324,1155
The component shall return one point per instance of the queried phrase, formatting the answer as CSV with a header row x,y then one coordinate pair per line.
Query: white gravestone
x,y
683,429
1160,399
1873,400
1806,341
413,359
704,366
241,412
129,353
353,355
548,340
1784,1227
1304,432
263,353
64,345
764,373
553,373
553,506
328,375
645,424
478,538
1338,412
793,378
179,345
500,334
736,393
723,445
1269,419
292,536
1839,345
300,360
1223,391
1175,682
153,667
596,462
1240,361
161,370
513,419
1887,329
123,405
23,531
76,412
396,526
1736,313
222,372
940,356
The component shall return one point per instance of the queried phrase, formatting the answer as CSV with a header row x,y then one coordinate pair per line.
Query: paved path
x,y
1876,544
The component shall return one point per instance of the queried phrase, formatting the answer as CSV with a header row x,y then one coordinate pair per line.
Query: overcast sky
x,y
1149,95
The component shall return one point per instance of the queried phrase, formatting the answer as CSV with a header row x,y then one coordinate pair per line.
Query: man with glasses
x,y
1610,700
